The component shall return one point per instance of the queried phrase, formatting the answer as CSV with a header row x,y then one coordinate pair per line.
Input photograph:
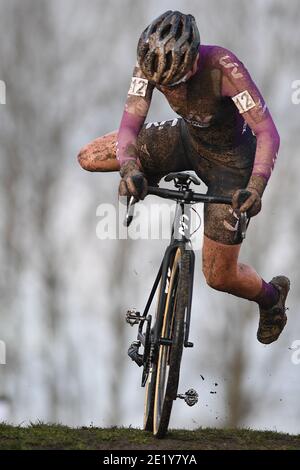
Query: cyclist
x,y
225,133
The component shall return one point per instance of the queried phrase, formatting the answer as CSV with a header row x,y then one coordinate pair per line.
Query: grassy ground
x,y
61,437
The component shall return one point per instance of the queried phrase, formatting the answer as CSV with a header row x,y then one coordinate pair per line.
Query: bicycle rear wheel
x,y
170,349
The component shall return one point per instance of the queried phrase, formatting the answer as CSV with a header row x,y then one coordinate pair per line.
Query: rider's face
x,y
194,69
190,73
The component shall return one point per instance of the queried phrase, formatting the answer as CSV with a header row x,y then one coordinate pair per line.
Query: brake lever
x,y
130,211
243,224
243,218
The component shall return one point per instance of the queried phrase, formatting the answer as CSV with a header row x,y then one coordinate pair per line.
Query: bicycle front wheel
x,y
171,342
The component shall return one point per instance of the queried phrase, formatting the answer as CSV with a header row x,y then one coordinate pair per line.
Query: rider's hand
x,y
252,205
133,182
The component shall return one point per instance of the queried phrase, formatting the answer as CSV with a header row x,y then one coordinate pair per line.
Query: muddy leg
x,y
100,154
223,272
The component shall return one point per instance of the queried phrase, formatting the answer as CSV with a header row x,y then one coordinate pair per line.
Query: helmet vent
x,y
169,60
179,31
165,31
191,37
155,62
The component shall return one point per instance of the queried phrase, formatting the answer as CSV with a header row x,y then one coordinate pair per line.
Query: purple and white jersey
x,y
217,103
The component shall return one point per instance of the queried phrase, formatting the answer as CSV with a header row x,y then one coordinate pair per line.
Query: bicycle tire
x,y
151,380
169,357
149,399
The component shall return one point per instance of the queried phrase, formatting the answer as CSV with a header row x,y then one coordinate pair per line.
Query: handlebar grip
x,y
243,196
138,181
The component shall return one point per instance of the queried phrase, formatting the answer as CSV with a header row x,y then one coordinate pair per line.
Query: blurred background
x,y
63,292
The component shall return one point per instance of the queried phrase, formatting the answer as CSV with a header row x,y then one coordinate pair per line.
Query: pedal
x,y
133,353
190,397
133,317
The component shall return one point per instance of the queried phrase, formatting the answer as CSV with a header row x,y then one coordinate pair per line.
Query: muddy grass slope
x,y
61,437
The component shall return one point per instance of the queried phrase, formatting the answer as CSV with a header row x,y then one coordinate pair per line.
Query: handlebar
x,y
190,197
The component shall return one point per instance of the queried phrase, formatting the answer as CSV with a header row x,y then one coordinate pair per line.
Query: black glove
x,y
252,205
133,182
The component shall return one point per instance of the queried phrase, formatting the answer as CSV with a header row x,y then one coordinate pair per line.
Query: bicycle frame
x,y
163,344
180,237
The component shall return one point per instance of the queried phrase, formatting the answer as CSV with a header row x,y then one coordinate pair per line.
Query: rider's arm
x,y
239,86
134,115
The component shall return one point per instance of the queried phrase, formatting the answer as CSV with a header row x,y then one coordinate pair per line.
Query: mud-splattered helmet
x,y
168,47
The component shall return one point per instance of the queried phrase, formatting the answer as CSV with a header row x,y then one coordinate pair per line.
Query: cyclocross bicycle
x,y
164,336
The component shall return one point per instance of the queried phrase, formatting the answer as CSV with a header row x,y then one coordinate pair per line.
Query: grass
x,y
45,437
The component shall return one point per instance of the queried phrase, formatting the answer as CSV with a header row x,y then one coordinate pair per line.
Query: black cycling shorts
x,y
166,146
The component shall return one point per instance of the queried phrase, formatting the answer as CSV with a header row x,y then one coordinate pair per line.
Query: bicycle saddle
x,y
183,178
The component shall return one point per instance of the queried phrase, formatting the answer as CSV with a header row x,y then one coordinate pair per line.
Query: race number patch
x,y
244,101
138,86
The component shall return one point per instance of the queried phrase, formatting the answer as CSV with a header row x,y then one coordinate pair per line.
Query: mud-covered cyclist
x,y
225,133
